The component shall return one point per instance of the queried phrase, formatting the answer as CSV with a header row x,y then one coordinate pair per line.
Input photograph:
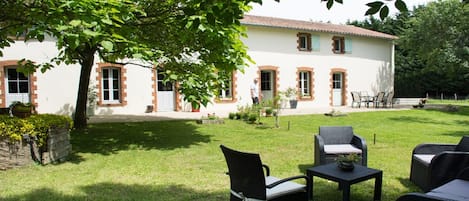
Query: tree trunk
x,y
80,121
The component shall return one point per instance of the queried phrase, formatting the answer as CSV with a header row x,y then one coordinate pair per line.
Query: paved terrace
x,y
164,116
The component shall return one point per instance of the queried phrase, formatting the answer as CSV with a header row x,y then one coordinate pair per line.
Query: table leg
x,y
345,191
309,185
378,186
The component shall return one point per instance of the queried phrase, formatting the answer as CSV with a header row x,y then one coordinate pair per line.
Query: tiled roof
x,y
313,26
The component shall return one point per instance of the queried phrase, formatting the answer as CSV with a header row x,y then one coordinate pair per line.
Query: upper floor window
x,y
111,87
341,45
304,42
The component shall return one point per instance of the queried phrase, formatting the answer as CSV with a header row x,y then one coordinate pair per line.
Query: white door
x,y
17,87
267,85
337,89
165,95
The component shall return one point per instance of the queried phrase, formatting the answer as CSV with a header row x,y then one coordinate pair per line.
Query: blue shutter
x,y
315,42
348,45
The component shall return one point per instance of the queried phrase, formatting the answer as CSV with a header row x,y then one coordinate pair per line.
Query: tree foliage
x,y
432,53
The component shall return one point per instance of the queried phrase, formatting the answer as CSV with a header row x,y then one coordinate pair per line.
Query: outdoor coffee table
x,y
346,178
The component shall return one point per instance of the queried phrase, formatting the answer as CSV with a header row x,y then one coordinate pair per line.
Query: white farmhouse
x,y
323,62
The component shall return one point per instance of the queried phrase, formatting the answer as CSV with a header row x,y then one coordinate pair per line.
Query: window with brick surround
x,y
305,83
341,45
304,41
226,88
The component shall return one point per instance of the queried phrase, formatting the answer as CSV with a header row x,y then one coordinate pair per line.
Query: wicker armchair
x,y
456,189
335,140
248,181
435,164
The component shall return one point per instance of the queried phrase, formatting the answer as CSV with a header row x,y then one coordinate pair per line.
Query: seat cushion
x,y
341,149
456,189
283,188
424,158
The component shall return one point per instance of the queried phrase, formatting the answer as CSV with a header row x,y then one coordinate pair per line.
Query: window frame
x,y
307,42
121,82
338,44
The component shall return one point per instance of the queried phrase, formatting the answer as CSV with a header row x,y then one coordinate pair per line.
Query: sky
x,y
315,10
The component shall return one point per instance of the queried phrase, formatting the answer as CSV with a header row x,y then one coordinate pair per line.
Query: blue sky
x,y
315,10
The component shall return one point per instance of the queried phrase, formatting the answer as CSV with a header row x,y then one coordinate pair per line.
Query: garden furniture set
x,y
381,99
435,167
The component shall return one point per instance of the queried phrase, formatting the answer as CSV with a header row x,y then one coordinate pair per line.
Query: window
x,y
226,88
18,83
341,45
266,80
111,89
304,42
304,83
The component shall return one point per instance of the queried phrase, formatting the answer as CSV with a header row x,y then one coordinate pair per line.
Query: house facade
x,y
323,62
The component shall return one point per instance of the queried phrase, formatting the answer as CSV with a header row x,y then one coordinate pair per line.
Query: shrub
x,y
231,115
252,117
37,126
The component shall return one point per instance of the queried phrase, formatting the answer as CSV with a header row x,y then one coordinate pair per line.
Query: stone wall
x,y
20,154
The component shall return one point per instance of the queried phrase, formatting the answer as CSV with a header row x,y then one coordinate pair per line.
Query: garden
x,y
181,160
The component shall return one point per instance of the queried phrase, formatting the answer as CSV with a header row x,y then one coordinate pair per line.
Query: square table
x,y
346,178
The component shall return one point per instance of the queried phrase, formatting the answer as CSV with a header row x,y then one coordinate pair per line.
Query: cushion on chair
x,y
453,190
424,158
463,145
341,149
283,188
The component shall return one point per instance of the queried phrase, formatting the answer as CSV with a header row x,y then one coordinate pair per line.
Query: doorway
x,y
337,89
165,94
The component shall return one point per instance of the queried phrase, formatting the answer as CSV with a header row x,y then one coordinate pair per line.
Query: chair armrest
x,y
288,179
319,154
433,148
418,197
267,169
360,142
446,166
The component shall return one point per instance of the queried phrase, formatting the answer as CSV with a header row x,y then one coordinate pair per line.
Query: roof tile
x,y
313,26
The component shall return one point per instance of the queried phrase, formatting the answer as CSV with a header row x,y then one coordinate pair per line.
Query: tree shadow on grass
x,y
124,192
109,138
415,119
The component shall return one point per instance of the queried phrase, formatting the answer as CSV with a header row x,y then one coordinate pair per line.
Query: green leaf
x,y
75,22
339,1
329,4
107,45
384,12
106,21
401,6
374,7
91,33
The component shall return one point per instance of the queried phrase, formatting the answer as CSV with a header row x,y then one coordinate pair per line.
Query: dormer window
x,y
304,41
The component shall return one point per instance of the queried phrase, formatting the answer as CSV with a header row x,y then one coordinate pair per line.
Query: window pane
x,y
12,87
116,95
105,84
12,74
105,73
24,87
115,74
106,95
21,76
115,84
302,42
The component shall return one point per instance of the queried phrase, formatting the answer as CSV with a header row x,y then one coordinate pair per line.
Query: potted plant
x,y
345,161
195,106
22,110
291,94
269,111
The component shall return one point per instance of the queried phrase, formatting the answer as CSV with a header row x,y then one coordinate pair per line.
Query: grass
x,y
181,160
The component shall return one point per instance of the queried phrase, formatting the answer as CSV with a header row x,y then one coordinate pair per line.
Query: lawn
x,y
181,160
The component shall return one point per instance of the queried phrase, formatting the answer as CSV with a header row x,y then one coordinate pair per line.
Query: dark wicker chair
x,y
455,189
435,164
248,181
335,140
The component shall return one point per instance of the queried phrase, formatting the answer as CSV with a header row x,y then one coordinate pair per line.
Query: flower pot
x,y
195,107
293,104
345,165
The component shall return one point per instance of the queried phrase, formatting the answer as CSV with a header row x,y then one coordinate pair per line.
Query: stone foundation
x,y
20,154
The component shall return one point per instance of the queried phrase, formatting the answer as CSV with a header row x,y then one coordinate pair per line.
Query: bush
x,y
36,126
252,117
231,115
